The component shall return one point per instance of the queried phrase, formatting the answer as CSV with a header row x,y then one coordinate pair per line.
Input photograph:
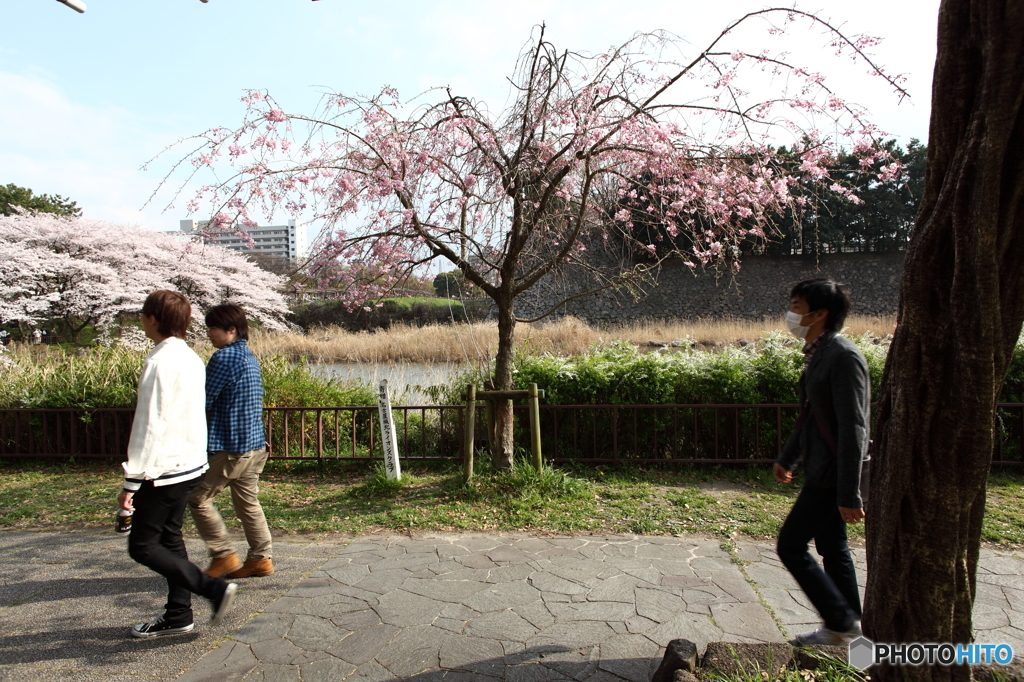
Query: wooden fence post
x,y
489,407
469,444
538,460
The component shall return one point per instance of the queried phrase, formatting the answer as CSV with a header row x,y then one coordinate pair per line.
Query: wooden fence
x,y
582,433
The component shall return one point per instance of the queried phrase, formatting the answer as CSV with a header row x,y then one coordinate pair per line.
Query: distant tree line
x,y
388,312
878,220
11,196
880,223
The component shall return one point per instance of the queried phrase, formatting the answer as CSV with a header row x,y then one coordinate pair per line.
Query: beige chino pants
x,y
240,472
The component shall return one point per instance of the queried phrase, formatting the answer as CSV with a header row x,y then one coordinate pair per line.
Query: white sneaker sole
x,y
160,633
225,605
815,638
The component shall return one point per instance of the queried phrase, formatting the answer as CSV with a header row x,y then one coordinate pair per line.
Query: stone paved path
x,y
998,606
432,607
523,608
68,599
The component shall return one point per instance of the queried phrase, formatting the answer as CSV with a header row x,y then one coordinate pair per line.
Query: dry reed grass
x,y
478,342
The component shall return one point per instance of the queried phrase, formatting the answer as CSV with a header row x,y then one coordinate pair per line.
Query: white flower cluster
x,y
128,337
6,361
133,338
91,272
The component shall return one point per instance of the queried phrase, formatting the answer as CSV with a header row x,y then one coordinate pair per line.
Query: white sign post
x,y
387,433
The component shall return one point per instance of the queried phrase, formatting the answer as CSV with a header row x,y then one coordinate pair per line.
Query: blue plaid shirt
x,y
234,400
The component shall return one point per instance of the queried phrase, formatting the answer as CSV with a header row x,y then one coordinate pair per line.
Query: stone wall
x,y
760,289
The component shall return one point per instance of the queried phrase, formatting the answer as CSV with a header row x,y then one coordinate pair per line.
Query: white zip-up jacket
x,y
168,441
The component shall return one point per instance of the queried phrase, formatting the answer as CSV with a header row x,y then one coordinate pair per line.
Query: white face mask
x,y
795,328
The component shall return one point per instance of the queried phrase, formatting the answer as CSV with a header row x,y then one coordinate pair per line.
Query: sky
x,y
87,99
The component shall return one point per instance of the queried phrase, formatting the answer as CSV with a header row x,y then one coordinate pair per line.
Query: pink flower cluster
x,y
506,196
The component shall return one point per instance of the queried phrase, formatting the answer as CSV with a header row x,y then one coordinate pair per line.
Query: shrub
x,y
415,310
453,284
109,377
288,384
621,374
1013,387
104,377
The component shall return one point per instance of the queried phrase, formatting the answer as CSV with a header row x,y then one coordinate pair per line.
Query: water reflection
x,y
407,380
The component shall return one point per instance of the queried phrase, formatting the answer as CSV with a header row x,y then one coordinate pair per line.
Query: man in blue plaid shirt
x,y
237,448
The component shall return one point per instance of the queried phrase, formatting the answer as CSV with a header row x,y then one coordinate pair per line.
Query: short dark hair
x,y
827,294
226,316
172,311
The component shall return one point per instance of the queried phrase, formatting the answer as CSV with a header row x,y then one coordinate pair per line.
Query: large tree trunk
x,y
502,446
74,330
960,314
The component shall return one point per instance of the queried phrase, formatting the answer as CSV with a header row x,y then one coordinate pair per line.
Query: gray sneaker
x,y
827,637
159,628
222,605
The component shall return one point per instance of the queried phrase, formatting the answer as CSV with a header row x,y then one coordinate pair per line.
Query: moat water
x,y
407,381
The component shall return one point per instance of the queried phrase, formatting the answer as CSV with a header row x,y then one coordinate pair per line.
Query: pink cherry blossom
x,y
275,115
508,195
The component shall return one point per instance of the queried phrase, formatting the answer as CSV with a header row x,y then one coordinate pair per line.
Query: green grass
x,y
1004,509
828,669
302,498
409,301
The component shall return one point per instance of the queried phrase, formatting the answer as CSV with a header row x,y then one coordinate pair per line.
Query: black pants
x,y
815,516
155,542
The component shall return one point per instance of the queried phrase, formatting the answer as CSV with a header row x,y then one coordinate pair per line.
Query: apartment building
x,y
281,241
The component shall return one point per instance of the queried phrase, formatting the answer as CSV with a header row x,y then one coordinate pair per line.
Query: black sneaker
x,y
221,606
159,628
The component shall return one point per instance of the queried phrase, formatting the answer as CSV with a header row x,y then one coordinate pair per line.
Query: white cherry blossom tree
x,y
84,272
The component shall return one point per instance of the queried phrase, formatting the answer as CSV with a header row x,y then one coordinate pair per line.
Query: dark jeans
x,y
155,542
815,516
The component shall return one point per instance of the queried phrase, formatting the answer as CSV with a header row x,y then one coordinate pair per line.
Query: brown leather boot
x,y
219,567
259,567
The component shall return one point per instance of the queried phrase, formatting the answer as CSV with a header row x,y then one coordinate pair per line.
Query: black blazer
x,y
838,387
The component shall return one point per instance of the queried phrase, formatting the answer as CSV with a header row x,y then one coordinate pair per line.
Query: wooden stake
x,y
538,460
469,444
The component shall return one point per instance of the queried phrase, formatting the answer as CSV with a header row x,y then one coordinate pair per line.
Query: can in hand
x,y
124,521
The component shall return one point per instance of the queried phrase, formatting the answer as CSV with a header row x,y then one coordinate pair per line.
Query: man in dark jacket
x,y
831,439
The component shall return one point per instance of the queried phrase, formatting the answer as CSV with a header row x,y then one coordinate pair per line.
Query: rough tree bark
x,y
960,314
502,446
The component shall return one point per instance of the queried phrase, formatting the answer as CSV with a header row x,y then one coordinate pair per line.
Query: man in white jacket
x,y
166,459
